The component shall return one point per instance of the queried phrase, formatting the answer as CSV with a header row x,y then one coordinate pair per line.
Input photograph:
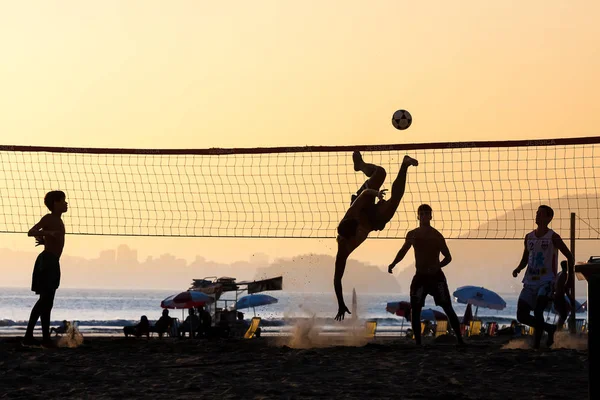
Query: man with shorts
x,y
366,215
429,279
541,258
50,232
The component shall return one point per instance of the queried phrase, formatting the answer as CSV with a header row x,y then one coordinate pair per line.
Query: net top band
x,y
313,149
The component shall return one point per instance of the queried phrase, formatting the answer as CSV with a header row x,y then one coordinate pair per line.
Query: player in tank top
x,y
540,256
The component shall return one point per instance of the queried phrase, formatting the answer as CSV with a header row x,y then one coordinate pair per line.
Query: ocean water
x,y
107,311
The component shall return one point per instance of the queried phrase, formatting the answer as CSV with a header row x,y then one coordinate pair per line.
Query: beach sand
x,y
268,368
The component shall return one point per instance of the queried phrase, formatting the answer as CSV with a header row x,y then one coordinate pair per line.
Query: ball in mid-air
x,y
401,119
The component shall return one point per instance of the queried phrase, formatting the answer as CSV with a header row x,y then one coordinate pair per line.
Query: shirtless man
x,y
428,243
50,232
541,258
366,215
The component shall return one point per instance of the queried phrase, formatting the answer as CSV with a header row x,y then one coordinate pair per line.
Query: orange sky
x,y
197,74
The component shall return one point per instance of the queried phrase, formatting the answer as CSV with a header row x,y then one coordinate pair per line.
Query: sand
x,y
268,368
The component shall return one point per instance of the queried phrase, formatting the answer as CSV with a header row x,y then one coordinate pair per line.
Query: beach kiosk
x,y
223,310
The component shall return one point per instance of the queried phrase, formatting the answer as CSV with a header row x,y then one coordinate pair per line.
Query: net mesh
x,y
481,190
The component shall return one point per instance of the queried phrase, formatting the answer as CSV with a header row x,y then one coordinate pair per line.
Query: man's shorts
x,y
434,285
530,293
46,273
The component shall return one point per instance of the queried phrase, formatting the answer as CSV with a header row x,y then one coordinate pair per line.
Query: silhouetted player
x,y
50,232
366,215
428,243
541,258
561,291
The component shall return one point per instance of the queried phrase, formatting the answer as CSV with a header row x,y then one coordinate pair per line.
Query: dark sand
x,y
265,368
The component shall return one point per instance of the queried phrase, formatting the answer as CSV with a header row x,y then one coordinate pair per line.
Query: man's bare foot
x,y
407,160
358,161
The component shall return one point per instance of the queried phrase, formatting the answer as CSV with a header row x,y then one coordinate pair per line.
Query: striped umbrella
x,y
187,299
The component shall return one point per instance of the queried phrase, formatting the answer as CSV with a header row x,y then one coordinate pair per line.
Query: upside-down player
x,y
366,215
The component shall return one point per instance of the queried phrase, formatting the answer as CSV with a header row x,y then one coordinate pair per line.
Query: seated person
x,y
61,329
191,324
226,324
163,325
205,322
142,328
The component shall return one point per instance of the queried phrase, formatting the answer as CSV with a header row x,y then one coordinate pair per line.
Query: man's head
x,y
56,201
424,213
347,228
544,215
165,313
564,265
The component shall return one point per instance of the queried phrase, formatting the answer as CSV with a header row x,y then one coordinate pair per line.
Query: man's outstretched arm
x,y
446,253
340,267
401,253
524,260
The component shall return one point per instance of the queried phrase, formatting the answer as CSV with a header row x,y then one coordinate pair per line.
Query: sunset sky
x,y
199,74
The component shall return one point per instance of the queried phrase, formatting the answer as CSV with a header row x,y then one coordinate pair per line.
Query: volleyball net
x,y
478,190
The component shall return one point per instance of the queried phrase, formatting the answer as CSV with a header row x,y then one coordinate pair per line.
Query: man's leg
x,y
561,307
375,173
442,298
398,187
417,300
33,317
48,303
415,321
538,312
524,313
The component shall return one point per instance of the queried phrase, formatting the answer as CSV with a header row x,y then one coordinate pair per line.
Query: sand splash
x,y
312,333
562,340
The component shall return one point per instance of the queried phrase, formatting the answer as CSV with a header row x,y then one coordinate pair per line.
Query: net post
x,y
571,273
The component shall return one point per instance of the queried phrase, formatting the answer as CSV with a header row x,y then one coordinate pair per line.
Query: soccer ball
x,y
401,119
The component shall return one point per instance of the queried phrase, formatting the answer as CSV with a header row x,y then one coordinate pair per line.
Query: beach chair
x,y
579,325
441,328
492,328
531,331
370,328
475,328
251,332
422,330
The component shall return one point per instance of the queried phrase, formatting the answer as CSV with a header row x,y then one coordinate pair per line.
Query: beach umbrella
x,y
255,300
399,308
187,299
433,315
479,297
